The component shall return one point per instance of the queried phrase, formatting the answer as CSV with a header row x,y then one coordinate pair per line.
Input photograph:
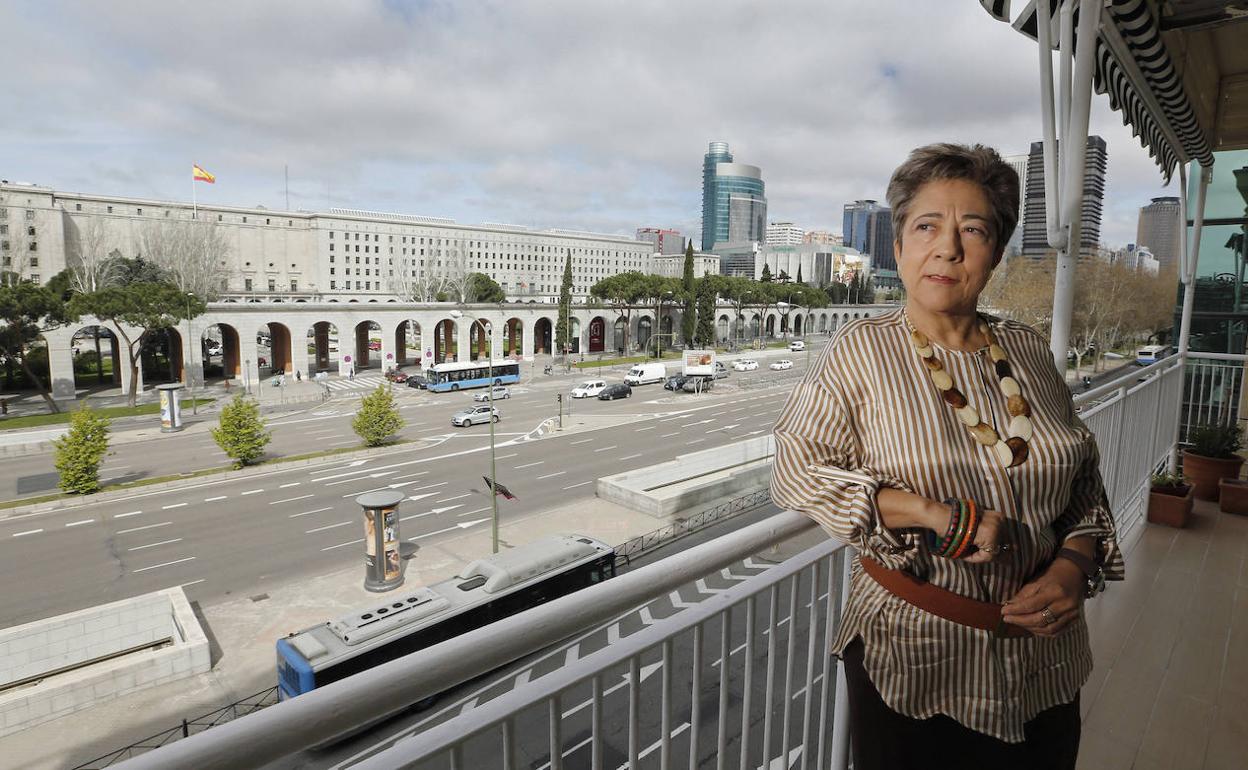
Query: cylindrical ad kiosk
x,y
383,567
170,407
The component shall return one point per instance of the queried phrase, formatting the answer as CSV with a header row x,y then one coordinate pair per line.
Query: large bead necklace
x,y
1009,451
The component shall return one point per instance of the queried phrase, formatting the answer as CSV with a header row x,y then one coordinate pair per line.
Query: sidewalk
x,y
243,631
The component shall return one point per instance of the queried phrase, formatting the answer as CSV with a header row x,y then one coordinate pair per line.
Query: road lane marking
x,y
291,484
77,523
669,435
291,499
469,513
309,513
251,492
431,486
371,475
410,476
630,457
124,515
341,545
530,465
27,532
139,529
605,448
583,483
551,475
342,443
456,497
166,564
173,505
193,583
329,526
648,427
214,499
582,441
153,545
112,468
695,441
504,457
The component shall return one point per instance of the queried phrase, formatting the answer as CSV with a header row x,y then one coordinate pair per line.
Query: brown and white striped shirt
x,y
868,416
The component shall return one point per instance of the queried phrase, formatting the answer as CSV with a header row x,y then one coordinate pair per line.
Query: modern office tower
x,y
665,241
855,231
1035,227
784,234
869,231
1159,231
1014,246
734,206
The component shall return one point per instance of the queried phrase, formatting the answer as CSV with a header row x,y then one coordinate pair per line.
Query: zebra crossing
x,y
361,382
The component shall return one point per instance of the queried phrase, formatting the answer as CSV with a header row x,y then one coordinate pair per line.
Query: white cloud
x,y
562,113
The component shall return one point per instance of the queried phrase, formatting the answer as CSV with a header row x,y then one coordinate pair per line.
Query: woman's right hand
x,y
989,538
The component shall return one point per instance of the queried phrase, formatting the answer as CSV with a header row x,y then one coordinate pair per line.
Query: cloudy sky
x,y
580,114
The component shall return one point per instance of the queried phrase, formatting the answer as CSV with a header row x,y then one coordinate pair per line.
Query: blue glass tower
x,y
734,207
717,153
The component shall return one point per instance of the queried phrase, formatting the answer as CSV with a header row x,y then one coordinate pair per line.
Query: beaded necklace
x,y
1010,451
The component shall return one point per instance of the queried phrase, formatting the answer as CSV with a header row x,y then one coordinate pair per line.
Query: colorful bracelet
x,y
934,541
968,536
948,546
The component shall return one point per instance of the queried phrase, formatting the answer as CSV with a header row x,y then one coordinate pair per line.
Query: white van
x,y
644,374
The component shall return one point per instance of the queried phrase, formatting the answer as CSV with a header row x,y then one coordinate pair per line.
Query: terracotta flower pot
x,y
1171,506
1234,496
1206,472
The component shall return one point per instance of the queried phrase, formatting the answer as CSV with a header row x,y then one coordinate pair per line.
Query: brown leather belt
x,y
941,603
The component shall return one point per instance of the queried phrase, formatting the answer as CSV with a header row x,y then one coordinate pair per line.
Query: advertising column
x,y
170,407
383,568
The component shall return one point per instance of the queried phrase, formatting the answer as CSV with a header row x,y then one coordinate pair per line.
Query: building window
x,y
266,220
294,286
110,210
30,215
30,231
34,262
34,246
34,277
331,248
331,271
244,220
219,217
138,212
272,285
247,284
77,207
333,284
331,235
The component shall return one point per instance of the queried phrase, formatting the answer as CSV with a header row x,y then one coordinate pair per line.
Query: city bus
x,y
485,591
470,374
1151,354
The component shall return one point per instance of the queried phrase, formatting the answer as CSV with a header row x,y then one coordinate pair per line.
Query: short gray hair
x,y
975,163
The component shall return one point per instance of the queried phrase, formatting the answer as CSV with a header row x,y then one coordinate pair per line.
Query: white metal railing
x,y
1213,387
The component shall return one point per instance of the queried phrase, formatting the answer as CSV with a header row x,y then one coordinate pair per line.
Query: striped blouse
x,y
868,416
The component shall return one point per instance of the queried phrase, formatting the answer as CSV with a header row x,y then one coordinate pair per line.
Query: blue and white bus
x,y
470,374
1151,354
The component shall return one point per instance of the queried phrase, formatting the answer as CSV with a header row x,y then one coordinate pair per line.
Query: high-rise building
x,y
1035,227
665,241
1159,230
854,230
1014,246
734,206
784,234
869,230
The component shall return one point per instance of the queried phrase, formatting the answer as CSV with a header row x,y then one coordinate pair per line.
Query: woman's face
x,y
947,250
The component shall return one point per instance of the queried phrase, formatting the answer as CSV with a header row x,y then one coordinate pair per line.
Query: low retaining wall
x,y
666,489
57,648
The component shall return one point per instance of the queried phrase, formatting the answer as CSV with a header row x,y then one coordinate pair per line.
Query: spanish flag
x,y
199,175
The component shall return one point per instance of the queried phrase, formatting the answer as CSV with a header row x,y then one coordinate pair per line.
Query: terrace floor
x,y
1170,687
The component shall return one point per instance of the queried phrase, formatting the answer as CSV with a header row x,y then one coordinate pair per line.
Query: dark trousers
x,y
882,739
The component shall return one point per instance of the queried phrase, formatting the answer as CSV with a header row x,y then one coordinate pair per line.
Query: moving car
x,y
473,415
797,346
500,392
644,374
396,375
721,371
782,364
589,388
745,365
416,381
618,390
675,382
698,384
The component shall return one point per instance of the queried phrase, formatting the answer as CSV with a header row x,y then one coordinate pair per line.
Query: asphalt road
x,y
222,538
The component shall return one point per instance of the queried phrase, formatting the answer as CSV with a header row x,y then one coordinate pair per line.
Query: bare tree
x,y
1022,289
413,281
91,257
192,253
455,273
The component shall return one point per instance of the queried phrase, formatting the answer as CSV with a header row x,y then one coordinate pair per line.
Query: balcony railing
x,y
744,710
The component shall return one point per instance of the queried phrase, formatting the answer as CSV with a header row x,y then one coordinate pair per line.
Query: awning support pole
x,y
1189,260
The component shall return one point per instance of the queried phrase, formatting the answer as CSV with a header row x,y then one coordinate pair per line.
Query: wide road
x,y
226,537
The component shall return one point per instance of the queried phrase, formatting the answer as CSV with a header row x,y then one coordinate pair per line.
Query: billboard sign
x,y
699,363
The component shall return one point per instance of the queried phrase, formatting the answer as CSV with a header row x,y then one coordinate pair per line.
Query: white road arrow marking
x,y
461,525
431,512
778,763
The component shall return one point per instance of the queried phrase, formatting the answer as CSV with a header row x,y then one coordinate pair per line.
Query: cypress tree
x,y
565,305
706,313
766,274
799,274
688,316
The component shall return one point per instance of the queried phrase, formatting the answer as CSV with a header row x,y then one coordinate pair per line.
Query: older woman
x,y
943,445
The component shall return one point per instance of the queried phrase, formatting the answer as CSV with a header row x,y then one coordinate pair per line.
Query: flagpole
x,y
194,202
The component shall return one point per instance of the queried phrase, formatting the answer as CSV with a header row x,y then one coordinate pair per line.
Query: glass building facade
x,y
731,190
717,153
1220,312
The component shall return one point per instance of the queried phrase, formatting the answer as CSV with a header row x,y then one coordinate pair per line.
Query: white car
x,y
797,346
500,392
745,365
589,389
782,364
473,415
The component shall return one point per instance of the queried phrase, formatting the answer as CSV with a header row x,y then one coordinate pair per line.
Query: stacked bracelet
x,y
964,518
971,526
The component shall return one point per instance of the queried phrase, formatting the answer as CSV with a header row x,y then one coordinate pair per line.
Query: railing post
x,y
840,715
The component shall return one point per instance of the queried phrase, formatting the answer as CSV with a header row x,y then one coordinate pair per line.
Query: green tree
x,y
565,305
799,274
27,310
705,332
241,433
145,307
689,295
766,273
81,450
737,291
479,287
378,418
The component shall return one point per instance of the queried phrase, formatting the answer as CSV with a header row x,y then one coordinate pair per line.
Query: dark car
x,y
618,390
698,384
416,381
675,382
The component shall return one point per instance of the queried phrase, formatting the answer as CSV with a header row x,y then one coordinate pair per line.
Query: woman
x,y
943,445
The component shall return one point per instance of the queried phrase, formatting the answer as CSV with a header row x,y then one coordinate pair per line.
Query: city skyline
x,y
426,123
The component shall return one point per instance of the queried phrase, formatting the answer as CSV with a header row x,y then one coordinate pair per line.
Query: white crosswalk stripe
x,y
359,383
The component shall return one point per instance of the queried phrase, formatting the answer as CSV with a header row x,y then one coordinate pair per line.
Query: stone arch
x,y
770,330
222,352
445,341
97,357
723,328
574,334
618,331
755,326
645,330
408,343
797,324
323,345
280,354
513,337
478,340
367,340
823,322
543,335
597,334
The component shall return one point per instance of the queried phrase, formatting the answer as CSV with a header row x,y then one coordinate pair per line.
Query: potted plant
x,y
1233,496
1212,457
1170,499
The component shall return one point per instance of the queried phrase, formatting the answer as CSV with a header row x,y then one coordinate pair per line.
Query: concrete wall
x,y
46,645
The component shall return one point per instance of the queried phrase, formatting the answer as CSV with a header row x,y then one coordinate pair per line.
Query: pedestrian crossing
x,y
361,382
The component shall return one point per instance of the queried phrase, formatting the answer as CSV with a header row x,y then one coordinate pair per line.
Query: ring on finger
x,y
1049,617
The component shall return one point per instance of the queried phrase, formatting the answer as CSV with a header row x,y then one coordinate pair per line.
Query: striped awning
x,y
1135,70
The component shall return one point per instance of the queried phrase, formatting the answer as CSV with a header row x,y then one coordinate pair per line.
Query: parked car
x,y
745,365
644,374
782,364
675,382
500,392
416,381
721,371
589,388
797,346
396,375
473,415
698,384
618,390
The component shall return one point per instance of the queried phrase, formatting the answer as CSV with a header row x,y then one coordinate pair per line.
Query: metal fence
x,y
1213,386
681,527
188,728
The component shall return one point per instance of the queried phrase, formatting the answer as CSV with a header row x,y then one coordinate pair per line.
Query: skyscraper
x,y
1159,230
734,207
1019,163
1035,228
869,230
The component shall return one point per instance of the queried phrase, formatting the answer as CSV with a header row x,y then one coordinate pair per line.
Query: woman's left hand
x,y
1048,604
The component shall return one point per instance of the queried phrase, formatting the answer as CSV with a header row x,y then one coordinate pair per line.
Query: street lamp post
x,y
658,322
489,363
190,347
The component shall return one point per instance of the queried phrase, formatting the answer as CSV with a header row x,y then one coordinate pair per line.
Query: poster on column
x,y
391,542
370,540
